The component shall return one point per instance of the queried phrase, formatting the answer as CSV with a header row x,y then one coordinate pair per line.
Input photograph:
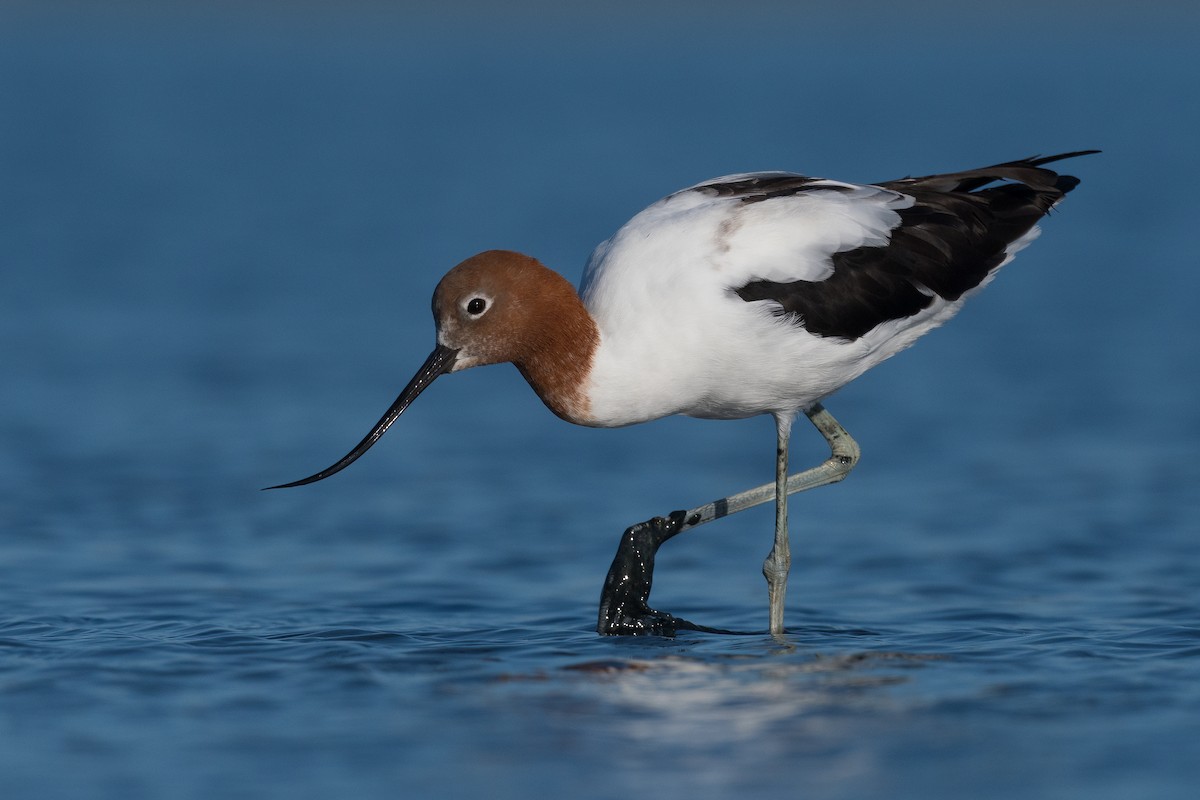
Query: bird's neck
x,y
559,349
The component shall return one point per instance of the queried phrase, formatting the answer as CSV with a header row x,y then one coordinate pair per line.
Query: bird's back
x,y
765,292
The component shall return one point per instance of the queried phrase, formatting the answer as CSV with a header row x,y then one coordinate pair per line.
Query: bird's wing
x,y
947,240
757,226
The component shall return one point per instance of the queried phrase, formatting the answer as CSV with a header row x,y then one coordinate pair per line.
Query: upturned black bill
x,y
440,360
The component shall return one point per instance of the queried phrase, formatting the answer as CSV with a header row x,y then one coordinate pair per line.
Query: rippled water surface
x,y
219,232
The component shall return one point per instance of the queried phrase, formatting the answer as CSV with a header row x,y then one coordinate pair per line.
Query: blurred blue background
x,y
220,225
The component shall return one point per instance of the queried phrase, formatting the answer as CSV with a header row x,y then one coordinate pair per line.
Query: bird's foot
x,y
623,607
641,621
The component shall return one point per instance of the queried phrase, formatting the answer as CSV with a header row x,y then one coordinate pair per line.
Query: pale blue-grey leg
x,y
634,567
844,454
779,560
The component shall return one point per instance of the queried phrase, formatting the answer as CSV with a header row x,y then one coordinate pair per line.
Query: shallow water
x,y
220,230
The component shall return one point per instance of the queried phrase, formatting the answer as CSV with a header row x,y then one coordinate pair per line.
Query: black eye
x,y
476,306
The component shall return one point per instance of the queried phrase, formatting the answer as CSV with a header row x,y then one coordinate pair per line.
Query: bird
x,y
750,294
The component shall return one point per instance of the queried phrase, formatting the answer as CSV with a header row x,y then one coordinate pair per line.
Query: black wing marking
x,y
946,244
761,186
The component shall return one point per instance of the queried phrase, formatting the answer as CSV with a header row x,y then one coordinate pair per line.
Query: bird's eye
x,y
477,306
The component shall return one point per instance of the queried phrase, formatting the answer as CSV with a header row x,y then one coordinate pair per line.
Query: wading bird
x,y
760,293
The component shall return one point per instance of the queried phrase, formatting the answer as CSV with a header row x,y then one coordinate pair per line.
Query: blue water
x,y
218,235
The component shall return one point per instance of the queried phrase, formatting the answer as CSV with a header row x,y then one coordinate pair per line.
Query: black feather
x,y
945,244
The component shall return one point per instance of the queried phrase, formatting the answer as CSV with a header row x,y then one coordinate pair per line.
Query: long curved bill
x,y
439,361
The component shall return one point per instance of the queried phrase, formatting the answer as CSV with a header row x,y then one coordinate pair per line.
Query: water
x,y
219,232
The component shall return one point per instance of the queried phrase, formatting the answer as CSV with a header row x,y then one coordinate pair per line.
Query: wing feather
x,y
952,236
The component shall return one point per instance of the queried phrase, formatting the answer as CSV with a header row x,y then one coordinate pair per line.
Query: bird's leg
x,y
843,455
623,602
779,560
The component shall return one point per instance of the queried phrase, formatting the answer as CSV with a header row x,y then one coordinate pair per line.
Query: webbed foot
x,y
624,610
